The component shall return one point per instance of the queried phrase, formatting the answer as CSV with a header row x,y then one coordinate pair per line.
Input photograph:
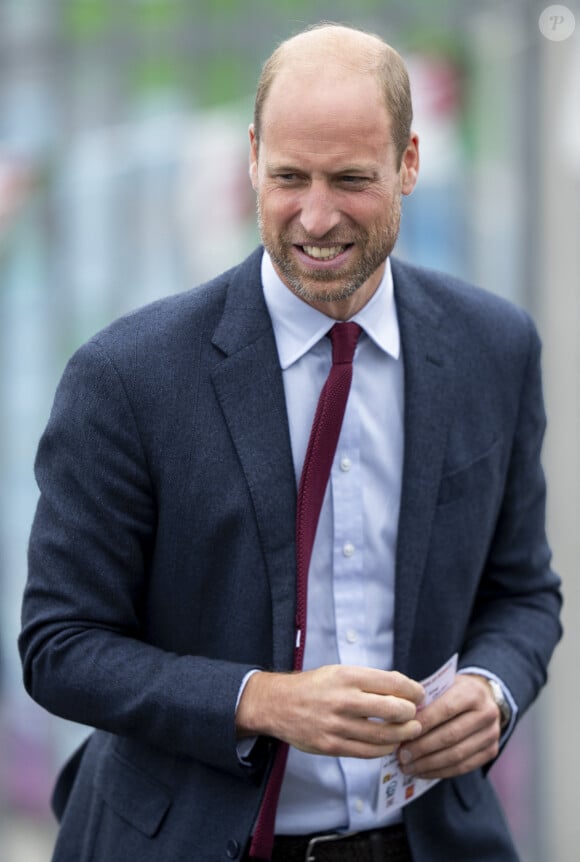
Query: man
x,y
161,600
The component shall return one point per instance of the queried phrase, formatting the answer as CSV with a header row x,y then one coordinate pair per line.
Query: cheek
x,y
278,208
373,211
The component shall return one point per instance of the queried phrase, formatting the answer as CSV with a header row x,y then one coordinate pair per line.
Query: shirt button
x,y
348,549
345,464
359,806
351,636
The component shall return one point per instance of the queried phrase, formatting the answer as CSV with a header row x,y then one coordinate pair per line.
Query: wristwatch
x,y
505,712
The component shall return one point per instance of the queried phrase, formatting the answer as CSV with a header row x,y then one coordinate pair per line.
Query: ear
x,y
253,158
410,165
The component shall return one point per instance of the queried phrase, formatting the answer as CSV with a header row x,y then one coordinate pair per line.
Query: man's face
x,y
328,187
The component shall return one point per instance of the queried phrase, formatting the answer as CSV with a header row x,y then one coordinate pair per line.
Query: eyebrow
x,y
366,170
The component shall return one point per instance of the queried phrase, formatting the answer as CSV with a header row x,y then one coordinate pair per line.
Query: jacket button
x,y
233,849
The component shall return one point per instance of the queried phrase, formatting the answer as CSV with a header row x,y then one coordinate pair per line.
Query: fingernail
x,y
405,756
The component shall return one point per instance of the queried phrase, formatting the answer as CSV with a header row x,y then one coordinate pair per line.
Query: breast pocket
x,y
478,474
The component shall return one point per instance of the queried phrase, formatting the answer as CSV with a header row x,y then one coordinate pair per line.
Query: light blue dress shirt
x,y
351,577
352,571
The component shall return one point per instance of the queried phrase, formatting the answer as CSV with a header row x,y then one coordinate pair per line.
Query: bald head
x,y
342,51
335,43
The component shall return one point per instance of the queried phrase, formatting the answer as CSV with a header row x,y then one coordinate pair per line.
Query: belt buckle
x,y
322,839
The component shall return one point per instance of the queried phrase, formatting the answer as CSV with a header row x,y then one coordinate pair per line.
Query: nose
x,y
319,212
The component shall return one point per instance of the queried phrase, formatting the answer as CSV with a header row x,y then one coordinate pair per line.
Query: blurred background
x,y
123,177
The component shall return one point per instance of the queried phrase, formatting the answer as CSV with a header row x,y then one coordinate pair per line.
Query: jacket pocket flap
x,y
134,796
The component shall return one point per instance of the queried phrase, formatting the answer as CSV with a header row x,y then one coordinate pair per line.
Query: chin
x,y
314,291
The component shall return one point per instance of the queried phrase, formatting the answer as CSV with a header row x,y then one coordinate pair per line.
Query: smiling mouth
x,y
318,252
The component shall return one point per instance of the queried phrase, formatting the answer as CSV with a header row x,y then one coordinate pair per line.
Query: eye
x,y
286,178
354,180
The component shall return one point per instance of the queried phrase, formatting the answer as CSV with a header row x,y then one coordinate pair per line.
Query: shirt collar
x,y
298,326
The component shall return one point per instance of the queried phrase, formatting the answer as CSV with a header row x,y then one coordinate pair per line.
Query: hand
x,y
461,731
335,710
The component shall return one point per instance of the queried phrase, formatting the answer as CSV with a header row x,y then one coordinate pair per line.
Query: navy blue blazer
x,y
162,556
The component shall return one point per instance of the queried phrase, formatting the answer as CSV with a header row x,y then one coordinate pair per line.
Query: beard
x,y
374,245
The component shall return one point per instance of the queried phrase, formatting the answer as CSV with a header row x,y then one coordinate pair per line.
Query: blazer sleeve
x,y
84,644
515,625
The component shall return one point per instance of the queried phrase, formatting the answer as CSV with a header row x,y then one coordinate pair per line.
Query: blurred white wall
x,y
560,326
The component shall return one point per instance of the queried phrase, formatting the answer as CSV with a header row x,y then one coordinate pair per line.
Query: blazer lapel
x,y
428,391
248,384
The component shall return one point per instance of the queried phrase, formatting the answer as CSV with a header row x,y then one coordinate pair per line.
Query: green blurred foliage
x,y
160,48
85,18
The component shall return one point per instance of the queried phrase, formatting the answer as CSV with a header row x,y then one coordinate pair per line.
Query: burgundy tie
x,y
315,472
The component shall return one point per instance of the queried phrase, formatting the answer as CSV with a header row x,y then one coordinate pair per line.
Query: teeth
x,y
323,253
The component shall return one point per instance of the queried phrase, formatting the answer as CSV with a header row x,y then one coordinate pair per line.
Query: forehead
x,y
325,111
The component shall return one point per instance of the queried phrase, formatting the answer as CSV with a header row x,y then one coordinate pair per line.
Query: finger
x,y
454,762
455,730
349,694
371,730
442,711
448,735
466,752
388,708
348,748
360,738
384,733
384,682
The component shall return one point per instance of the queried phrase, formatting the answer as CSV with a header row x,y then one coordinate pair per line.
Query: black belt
x,y
375,845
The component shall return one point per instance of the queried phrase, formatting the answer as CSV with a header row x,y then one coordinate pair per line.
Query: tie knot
x,y
344,337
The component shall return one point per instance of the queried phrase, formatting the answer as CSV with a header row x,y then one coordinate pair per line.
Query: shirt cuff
x,y
245,746
480,671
